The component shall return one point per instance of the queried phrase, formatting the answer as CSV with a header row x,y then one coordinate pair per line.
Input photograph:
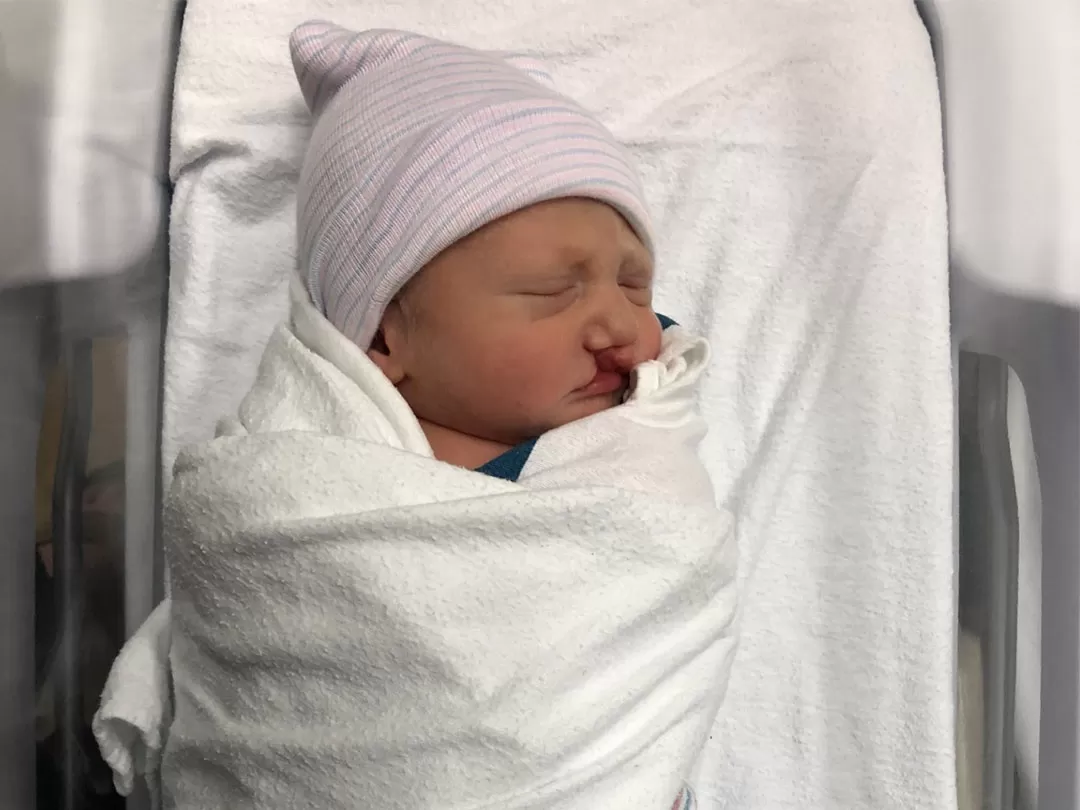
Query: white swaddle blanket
x,y
357,624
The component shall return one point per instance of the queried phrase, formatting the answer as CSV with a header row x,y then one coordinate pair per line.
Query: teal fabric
x,y
508,466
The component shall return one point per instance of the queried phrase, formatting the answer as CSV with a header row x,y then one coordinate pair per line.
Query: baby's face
x,y
530,323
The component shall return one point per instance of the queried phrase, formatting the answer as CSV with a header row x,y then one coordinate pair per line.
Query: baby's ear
x,y
388,347
380,355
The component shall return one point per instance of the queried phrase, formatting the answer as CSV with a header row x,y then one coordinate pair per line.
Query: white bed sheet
x,y
792,154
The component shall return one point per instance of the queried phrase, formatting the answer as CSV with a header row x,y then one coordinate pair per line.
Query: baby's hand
x,y
681,361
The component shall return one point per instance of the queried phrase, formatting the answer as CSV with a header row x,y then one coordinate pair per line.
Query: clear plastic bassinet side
x,y
1007,71
85,91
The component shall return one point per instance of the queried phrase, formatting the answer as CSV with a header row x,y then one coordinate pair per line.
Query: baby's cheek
x,y
529,368
649,340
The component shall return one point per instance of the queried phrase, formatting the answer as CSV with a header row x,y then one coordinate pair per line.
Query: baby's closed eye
x,y
551,290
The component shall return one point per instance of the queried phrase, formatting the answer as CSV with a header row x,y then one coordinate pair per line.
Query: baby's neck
x,y
461,449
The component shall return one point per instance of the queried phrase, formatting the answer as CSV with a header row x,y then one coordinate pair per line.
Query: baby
x,y
482,237
357,617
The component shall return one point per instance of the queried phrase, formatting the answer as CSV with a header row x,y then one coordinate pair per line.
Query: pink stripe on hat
x,y
417,143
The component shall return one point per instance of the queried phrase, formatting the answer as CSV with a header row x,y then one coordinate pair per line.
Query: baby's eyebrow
x,y
638,265
554,267
518,273
547,277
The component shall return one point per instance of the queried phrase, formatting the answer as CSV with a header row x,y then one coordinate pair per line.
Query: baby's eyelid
x,y
552,290
634,274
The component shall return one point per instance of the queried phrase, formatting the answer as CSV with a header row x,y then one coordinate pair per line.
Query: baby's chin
x,y
582,407
572,410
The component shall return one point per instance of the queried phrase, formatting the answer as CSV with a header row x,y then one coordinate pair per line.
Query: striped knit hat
x,y
417,143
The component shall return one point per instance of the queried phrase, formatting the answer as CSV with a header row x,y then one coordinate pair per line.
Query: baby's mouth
x,y
605,382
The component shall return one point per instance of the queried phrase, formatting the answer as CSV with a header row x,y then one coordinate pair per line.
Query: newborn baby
x,y
358,617
483,237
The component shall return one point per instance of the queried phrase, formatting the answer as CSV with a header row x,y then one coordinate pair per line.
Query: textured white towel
x,y
132,721
792,155
357,624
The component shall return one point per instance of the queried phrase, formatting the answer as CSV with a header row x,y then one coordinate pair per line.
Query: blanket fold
x,y
354,623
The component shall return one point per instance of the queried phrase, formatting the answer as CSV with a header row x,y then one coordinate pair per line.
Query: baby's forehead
x,y
559,232
556,255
